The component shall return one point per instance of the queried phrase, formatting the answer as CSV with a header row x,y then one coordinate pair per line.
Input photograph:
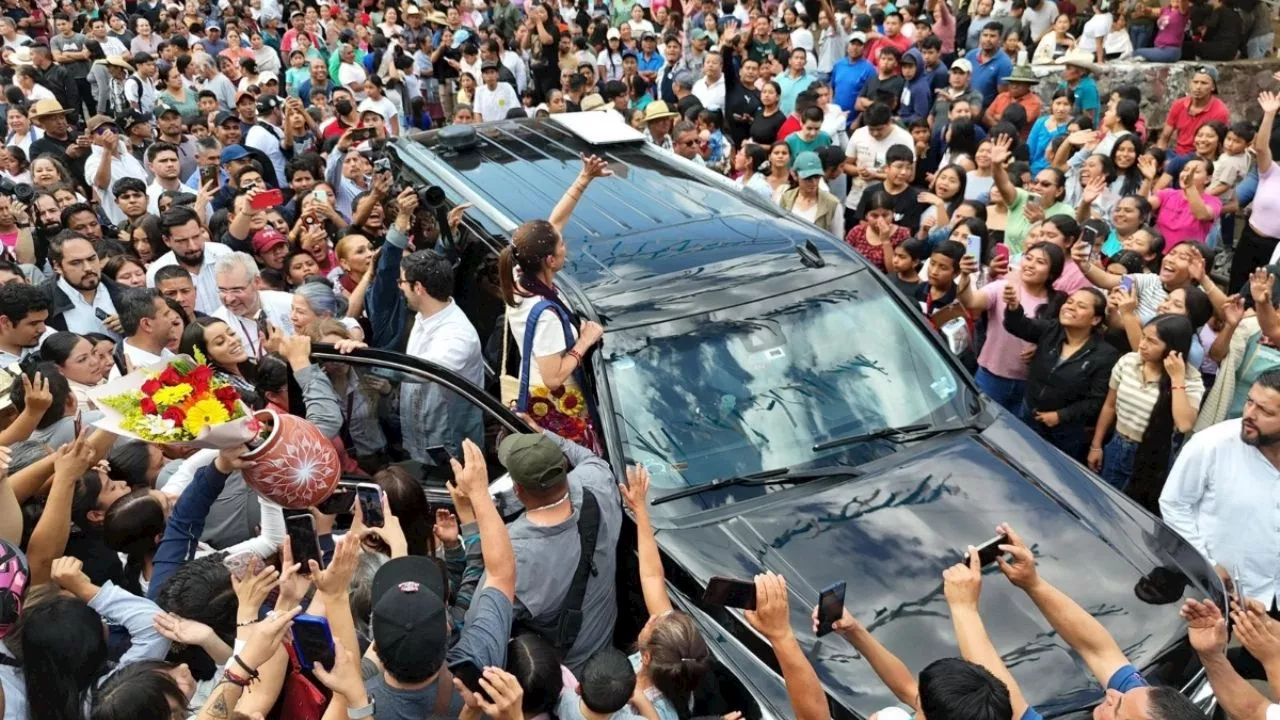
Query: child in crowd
x,y
908,259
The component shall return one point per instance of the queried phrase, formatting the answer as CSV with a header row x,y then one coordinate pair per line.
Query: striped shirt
x,y
1136,398
1151,292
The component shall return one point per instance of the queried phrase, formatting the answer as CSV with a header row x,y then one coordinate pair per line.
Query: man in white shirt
x,y
149,326
80,302
108,161
867,147
9,33
431,415
190,249
245,306
493,99
267,133
1223,493
710,87
140,87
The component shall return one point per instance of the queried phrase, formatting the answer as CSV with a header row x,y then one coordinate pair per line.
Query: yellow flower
x,y
166,396
203,414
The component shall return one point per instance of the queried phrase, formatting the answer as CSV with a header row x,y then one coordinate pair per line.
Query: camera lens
x,y
433,196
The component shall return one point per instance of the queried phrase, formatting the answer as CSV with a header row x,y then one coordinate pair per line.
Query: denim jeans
x,y
1117,461
1160,55
1142,36
1003,390
1071,438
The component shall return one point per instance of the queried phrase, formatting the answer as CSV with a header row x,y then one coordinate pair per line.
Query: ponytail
x,y
531,243
507,275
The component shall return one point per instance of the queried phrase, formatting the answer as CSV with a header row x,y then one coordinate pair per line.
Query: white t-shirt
x,y
351,75
494,104
384,107
639,27
548,338
1098,27
869,152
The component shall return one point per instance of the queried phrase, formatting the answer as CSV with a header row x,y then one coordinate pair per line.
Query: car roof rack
x,y
598,128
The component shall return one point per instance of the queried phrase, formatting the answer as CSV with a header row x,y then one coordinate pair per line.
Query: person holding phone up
x,y
1128,694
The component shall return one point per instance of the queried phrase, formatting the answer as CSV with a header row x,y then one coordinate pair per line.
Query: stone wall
x,y
1239,83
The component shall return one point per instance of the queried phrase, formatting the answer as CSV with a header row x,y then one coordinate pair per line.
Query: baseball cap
x,y
130,118
488,65
267,238
962,65
370,107
807,165
1209,70
267,103
699,34
98,121
613,34
242,95
534,461
649,35
162,110
231,153
781,27
267,76
409,624
859,37
223,117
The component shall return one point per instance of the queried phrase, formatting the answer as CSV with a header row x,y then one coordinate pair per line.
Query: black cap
x,y
130,118
488,65
224,116
267,103
410,620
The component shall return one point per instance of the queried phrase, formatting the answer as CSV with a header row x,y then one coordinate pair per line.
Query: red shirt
x,y
901,43
857,239
791,125
1185,124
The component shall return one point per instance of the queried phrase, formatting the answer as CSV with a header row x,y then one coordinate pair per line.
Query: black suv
x,y
797,414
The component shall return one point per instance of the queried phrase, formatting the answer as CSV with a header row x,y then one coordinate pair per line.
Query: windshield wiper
x,y
764,477
900,434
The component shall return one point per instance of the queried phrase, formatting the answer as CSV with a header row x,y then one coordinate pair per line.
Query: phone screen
x,y
1126,283
973,247
990,550
439,455
303,541
830,607
469,674
341,501
728,592
208,174
313,641
370,504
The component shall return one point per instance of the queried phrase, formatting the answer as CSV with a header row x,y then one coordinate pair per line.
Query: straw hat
x,y
592,102
47,108
117,61
1081,59
658,110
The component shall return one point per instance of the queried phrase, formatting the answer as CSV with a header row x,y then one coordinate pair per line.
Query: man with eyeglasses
x,y
245,307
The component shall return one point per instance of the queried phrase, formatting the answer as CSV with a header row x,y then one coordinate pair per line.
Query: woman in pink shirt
x,y
1187,213
1261,237
1002,364
1171,25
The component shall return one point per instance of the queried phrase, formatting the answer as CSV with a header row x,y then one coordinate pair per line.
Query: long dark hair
x,y
141,689
1057,261
532,243
678,659
64,652
1132,175
1152,461
193,339
960,172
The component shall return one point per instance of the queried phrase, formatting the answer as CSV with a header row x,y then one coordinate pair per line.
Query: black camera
x,y
22,192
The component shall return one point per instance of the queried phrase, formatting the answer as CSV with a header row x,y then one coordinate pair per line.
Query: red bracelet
x,y
235,679
575,355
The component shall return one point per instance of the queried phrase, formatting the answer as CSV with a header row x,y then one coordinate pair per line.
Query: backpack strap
x,y
571,611
530,328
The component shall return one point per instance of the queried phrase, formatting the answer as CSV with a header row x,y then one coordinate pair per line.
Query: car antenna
x,y
809,255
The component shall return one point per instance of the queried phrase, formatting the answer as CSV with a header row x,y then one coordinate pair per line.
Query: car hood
x,y
890,534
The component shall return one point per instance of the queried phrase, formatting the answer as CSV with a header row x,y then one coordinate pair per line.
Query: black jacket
x,y
63,87
59,303
1075,388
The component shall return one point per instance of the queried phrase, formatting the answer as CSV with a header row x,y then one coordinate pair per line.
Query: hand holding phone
x,y
728,592
973,247
470,675
830,607
267,199
1126,283
340,502
370,497
987,551
313,641
304,541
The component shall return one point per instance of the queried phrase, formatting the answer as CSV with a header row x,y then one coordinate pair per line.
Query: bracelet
x,y
1094,447
1177,387
247,623
234,679
252,673
575,355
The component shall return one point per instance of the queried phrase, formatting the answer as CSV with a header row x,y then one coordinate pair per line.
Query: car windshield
x,y
753,388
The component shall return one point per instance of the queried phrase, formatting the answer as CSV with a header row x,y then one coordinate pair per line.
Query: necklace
x,y
555,504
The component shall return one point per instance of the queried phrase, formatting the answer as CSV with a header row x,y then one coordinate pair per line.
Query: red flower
x,y
226,395
175,414
150,387
170,377
199,378
148,406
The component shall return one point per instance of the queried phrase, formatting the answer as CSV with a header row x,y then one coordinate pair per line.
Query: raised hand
x,y
1260,284
962,582
1205,627
1010,296
1094,189
1148,167
1022,571
1233,311
1001,149
636,492
1176,367
473,477
181,630
446,528
1269,101
772,614
594,166
969,265
253,590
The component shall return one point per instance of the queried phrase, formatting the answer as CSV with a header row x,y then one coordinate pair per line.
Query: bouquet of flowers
x,y
179,401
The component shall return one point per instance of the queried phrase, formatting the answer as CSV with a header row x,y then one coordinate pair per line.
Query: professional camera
x,y
22,192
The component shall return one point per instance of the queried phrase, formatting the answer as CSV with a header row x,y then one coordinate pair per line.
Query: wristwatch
x,y
361,712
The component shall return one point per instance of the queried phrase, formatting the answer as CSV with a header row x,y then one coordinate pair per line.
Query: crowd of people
x,y
211,179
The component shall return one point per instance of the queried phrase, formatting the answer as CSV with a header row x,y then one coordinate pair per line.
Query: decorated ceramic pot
x,y
296,466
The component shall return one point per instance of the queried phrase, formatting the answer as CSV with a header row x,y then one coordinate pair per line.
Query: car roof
x,y
658,215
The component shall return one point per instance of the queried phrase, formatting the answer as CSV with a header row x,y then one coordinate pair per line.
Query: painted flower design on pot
x,y
297,466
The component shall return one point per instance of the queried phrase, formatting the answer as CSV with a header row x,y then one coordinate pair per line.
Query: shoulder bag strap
x,y
571,612
531,327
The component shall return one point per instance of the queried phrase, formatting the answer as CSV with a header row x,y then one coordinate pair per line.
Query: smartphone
x,y
1088,234
264,328
361,134
439,455
1238,590
989,550
973,247
728,592
101,314
267,199
830,607
1001,250
469,674
370,497
342,501
208,174
304,541
313,641
243,564
1033,199
1126,283
320,196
